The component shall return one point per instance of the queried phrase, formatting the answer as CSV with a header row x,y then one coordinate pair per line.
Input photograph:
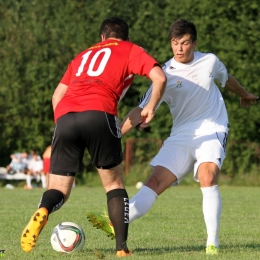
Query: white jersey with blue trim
x,y
195,102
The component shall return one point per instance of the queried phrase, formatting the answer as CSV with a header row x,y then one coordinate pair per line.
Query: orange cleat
x,y
123,253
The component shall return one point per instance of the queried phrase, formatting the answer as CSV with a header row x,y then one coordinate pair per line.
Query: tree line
x,y
39,38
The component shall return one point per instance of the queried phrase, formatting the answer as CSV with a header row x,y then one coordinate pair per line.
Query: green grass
x,y
173,229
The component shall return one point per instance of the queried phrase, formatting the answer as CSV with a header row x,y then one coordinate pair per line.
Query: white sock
x,y
28,181
141,203
43,179
38,177
212,206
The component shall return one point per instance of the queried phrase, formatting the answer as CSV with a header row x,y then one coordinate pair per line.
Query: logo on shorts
x,y
219,159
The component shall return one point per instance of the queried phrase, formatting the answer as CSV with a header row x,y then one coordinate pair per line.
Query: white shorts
x,y
180,153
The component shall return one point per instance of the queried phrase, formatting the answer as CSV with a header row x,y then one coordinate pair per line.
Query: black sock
x,y
52,200
118,210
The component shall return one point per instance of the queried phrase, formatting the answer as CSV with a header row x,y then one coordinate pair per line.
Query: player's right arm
x,y
132,119
141,63
159,80
58,94
143,115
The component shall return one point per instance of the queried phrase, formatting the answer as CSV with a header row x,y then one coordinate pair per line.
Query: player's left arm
x,y
246,98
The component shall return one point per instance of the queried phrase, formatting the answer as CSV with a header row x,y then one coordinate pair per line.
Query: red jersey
x,y
98,77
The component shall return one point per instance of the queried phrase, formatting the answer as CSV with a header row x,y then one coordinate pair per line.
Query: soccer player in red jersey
x,y
85,112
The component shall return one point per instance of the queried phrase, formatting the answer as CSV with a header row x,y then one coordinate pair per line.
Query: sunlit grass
x,y
173,229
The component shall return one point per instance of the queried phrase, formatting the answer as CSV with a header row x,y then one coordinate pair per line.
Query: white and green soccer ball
x,y
67,237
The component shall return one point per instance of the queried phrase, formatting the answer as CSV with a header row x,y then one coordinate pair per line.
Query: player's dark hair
x,y
114,27
181,27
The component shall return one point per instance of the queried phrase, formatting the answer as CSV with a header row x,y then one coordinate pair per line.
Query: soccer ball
x,y
67,237
139,185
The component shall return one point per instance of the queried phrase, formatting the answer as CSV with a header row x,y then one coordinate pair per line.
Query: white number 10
x,y
102,65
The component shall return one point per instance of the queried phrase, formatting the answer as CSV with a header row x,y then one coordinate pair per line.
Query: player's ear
x,y
102,37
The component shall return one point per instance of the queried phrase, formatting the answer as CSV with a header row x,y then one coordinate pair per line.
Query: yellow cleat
x,y
33,229
211,250
102,222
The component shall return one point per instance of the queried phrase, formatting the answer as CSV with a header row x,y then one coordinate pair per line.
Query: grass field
x,y
173,229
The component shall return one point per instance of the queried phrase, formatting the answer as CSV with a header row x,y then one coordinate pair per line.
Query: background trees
x,y
38,39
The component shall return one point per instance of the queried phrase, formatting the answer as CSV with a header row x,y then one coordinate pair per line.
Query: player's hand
x,y
146,117
248,100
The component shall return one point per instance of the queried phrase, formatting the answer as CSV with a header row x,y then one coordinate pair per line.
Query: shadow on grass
x,y
163,250
190,249
241,247
154,250
185,249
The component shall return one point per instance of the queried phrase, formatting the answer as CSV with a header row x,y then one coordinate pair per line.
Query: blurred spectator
x,y
35,168
18,163
30,156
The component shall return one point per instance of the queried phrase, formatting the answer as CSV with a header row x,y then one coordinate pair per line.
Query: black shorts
x,y
97,131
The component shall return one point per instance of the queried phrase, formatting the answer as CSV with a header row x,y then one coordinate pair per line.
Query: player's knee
x,y
208,179
208,174
152,182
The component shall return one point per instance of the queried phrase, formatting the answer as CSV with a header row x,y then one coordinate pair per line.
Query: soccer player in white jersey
x,y
200,127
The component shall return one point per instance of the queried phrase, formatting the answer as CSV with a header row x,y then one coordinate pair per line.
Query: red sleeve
x,y
67,76
140,62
